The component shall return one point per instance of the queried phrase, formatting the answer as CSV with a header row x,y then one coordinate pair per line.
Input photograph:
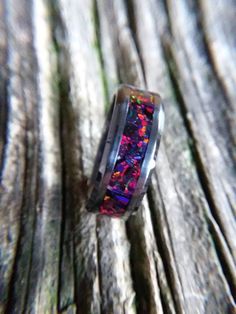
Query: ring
x,y
127,153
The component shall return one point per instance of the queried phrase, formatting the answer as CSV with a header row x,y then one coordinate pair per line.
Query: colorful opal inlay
x,y
130,157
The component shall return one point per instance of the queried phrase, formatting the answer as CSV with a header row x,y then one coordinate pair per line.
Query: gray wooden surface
x,y
61,61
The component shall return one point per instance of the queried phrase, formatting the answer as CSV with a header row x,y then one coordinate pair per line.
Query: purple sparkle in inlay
x,y
130,157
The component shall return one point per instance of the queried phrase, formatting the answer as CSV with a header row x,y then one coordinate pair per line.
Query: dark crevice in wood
x,y
65,195
140,284
63,100
65,124
63,206
4,82
100,55
220,254
203,179
164,254
99,266
132,25
167,13
3,121
164,300
70,204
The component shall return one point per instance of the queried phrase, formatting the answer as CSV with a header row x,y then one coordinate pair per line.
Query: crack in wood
x,y
99,49
164,253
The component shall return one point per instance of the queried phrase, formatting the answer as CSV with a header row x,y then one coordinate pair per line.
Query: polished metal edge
x,y
112,139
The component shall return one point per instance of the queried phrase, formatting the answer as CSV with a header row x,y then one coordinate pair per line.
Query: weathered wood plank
x,y
3,79
58,74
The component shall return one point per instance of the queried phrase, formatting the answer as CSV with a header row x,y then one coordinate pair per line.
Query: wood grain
x,y
60,63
